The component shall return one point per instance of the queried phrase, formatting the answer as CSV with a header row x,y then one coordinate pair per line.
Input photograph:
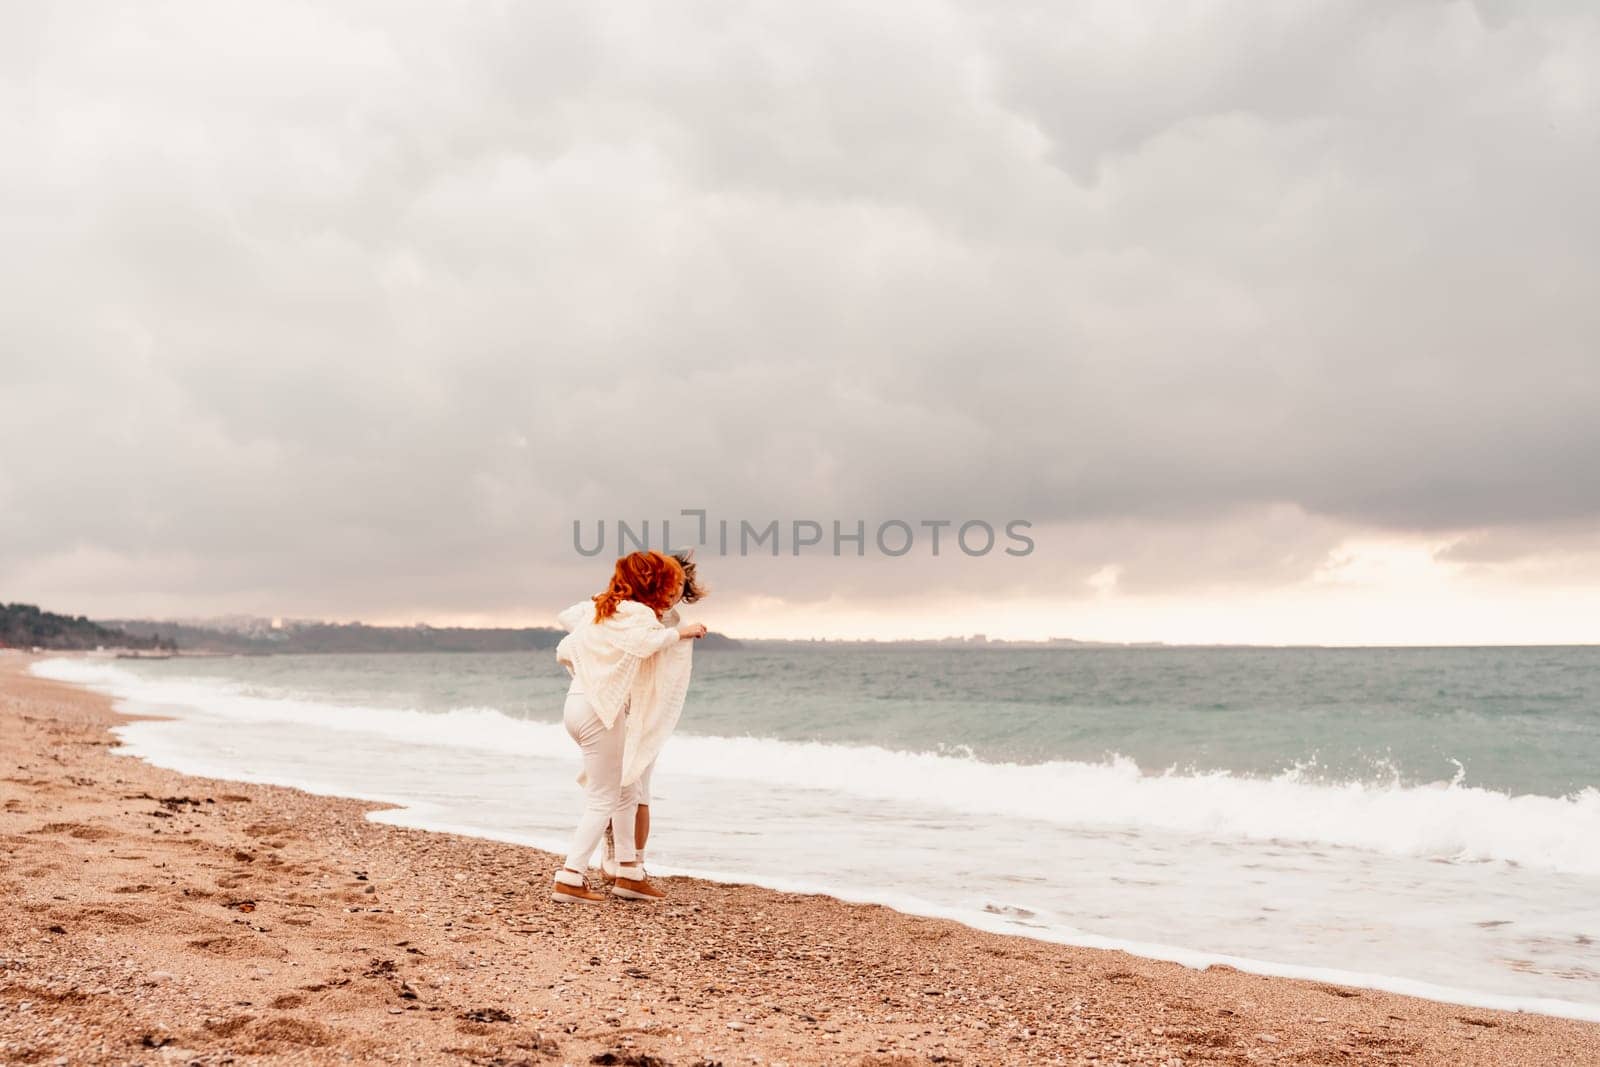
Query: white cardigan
x,y
631,659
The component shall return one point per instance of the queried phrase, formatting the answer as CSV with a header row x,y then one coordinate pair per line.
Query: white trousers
x,y
604,800
642,786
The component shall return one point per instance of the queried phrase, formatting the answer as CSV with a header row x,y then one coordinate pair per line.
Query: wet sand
x,y
150,917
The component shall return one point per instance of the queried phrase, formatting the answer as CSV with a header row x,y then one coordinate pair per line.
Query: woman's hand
x,y
692,630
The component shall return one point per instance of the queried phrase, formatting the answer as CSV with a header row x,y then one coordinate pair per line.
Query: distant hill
x,y
26,626
315,637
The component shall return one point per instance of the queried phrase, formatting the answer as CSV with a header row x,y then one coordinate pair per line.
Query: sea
x,y
1421,820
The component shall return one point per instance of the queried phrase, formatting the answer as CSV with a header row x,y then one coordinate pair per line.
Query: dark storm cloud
x,y
315,305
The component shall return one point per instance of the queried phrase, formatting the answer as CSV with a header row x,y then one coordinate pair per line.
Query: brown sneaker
x,y
636,888
564,893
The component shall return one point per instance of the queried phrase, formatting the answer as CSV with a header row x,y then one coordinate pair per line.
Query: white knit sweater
x,y
630,659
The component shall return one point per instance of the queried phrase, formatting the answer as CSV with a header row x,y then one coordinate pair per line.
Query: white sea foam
x,y
999,921
1446,821
1192,888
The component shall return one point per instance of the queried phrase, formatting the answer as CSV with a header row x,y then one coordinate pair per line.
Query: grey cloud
x,y
1555,553
307,297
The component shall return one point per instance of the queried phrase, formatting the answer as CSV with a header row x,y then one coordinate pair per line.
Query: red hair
x,y
647,577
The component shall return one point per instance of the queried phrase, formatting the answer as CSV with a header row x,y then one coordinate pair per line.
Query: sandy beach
x,y
151,917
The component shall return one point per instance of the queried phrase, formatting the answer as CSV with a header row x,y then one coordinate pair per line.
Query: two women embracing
x,y
630,659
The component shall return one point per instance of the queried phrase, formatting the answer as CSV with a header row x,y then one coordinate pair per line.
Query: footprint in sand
x,y
229,1026
76,830
111,916
261,830
274,1034
224,945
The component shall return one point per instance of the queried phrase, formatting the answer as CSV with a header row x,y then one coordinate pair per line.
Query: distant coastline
x,y
256,637
240,635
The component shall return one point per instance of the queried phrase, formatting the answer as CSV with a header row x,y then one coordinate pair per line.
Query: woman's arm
x,y
573,617
645,639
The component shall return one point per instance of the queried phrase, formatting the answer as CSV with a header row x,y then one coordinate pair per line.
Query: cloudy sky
x,y
1276,321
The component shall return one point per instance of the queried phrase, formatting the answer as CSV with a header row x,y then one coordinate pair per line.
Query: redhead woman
x,y
613,654
639,798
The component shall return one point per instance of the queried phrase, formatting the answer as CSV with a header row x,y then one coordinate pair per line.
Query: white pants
x,y
642,786
604,798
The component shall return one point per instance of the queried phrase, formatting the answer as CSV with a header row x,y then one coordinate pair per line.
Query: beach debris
x,y
1008,909
1336,991
540,1042
627,1058
170,803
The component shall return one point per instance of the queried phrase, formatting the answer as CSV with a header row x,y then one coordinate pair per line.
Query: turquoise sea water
x,y
1426,819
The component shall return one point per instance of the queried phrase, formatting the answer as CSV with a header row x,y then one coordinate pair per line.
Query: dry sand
x,y
150,917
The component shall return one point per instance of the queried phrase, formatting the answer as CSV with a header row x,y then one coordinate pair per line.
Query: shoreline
x,y
402,808
1191,959
148,912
